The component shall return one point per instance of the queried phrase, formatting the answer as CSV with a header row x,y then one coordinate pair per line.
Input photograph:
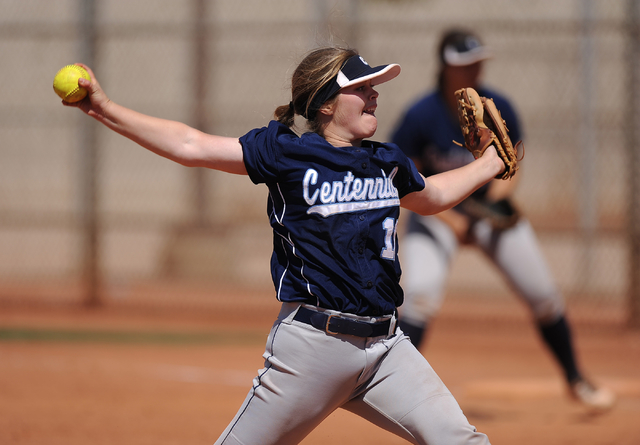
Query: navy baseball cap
x,y
354,70
461,48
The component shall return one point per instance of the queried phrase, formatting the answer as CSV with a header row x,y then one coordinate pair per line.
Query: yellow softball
x,y
65,84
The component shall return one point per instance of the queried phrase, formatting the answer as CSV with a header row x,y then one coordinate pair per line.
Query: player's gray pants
x,y
308,374
427,254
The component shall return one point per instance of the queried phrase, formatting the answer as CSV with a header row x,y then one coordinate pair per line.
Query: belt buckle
x,y
326,327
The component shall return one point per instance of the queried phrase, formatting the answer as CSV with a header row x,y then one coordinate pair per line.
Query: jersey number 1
x,y
389,249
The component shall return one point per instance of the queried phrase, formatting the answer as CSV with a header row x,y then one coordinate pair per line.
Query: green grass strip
x,y
128,337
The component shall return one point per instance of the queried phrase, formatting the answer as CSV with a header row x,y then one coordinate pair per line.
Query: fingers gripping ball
x,y
65,84
482,126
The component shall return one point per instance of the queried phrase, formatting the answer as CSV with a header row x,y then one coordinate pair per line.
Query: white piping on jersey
x,y
286,269
350,194
291,243
282,276
284,207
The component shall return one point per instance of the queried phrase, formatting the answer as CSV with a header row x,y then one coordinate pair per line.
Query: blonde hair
x,y
318,68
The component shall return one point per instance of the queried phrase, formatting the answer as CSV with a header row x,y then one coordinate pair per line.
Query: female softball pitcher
x,y
334,202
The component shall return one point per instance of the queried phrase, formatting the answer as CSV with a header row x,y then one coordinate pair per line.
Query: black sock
x,y
415,333
557,336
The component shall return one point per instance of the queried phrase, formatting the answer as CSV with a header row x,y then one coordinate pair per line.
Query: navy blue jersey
x,y
334,213
428,129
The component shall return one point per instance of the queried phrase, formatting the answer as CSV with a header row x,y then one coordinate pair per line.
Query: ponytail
x,y
285,114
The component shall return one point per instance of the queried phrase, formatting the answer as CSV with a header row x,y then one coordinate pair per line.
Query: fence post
x,y
633,149
89,169
200,116
588,148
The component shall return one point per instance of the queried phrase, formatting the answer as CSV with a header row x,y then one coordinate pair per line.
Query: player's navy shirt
x,y
428,129
334,213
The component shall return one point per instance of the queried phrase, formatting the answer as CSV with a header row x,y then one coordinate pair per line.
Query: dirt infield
x,y
75,377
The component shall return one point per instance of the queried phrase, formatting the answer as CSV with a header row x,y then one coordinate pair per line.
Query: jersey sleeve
x,y
262,148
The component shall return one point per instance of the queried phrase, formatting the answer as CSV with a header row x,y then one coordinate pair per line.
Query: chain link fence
x,y
126,227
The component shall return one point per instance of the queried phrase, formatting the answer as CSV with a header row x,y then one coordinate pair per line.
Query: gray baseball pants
x,y
309,373
427,254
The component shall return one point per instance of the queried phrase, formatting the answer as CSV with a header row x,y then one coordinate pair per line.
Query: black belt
x,y
333,324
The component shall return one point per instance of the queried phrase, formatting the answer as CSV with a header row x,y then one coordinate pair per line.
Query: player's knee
x,y
548,310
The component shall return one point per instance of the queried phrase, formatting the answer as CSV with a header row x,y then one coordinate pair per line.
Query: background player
x,y
334,203
426,133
